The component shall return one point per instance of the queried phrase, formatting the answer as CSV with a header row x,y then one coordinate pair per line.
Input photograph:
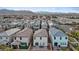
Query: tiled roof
x,y
9,32
27,32
56,32
41,32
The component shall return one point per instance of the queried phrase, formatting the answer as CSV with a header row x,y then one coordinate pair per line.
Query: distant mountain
x,y
44,12
57,13
27,12
13,12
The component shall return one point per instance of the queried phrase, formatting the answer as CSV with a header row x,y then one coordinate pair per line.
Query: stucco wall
x,y
24,39
60,42
41,42
4,40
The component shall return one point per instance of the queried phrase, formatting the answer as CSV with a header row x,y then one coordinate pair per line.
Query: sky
x,y
46,9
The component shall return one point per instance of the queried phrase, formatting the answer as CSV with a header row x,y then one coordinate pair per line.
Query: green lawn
x,y
71,39
76,46
5,48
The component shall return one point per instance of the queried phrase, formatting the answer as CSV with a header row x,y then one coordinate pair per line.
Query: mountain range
x,y
28,12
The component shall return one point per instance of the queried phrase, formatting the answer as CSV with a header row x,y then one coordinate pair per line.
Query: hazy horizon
x,y
46,9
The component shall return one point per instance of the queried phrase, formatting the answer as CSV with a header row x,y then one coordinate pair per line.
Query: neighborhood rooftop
x,y
25,32
9,32
56,32
41,32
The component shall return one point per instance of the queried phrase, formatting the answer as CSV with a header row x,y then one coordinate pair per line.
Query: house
x,y
13,24
6,36
27,24
5,26
36,25
32,23
50,23
1,28
44,24
22,39
40,38
58,38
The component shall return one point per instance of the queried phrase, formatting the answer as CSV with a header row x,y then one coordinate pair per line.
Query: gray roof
x,y
3,34
56,32
9,32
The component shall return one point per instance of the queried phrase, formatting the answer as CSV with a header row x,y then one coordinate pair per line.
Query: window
x,y
40,38
60,38
20,38
61,43
36,43
65,37
6,37
54,37
43,44
64,43
0,37
55,44
15,38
